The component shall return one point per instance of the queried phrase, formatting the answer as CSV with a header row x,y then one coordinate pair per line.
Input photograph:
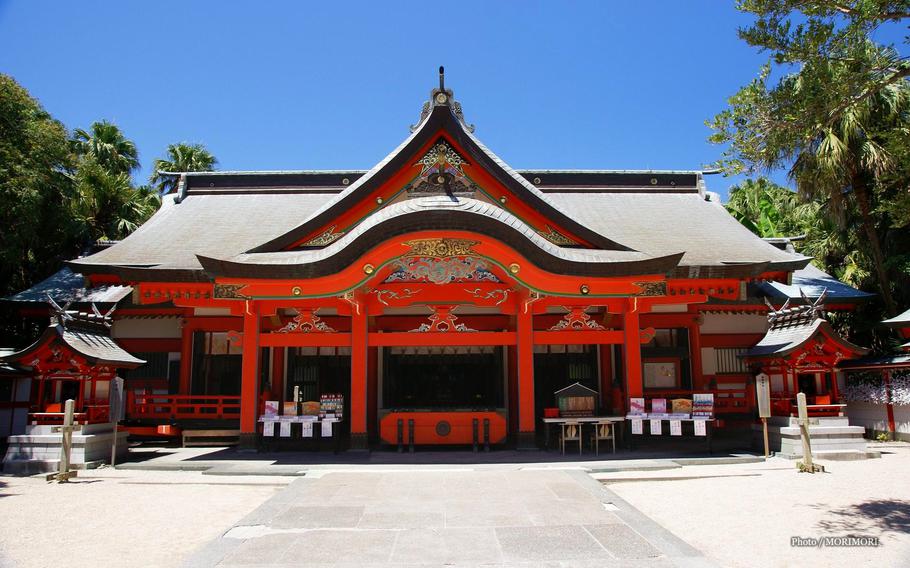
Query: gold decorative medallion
x,y
296,290
368,269
514,268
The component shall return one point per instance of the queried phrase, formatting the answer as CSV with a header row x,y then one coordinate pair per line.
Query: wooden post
x,y
806,465
249,378
632,353
525,353
66,445
359,339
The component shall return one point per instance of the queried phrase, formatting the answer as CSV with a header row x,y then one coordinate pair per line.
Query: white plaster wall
x,y
139,328
708,361
875,416
734,323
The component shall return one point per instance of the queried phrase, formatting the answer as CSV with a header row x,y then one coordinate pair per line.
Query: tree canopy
x,y
181,158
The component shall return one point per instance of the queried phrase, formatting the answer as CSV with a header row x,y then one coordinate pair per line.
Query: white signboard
x,y
700,429
763,394
636,426
285,429
268,429
306,430
326,429
676,427
655,428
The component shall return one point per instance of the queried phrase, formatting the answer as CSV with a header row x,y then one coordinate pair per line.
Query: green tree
x,y
765,208
106,205
35,159
837,141
107,146
181,157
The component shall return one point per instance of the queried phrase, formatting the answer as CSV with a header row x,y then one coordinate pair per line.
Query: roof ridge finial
x,y
441,96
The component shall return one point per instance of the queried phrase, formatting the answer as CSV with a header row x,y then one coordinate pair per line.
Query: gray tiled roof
x,y
67,286
656,223
458,212
901,320
218,225
813,282
96,346
793,330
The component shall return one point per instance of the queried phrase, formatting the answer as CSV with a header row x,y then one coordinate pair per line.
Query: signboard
x,y
636,406
700,427
117,399
763,394
306,429
636,426
268,429
703,404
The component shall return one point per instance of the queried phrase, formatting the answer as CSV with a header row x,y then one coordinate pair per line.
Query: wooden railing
x,y
90,414
726,401
181,406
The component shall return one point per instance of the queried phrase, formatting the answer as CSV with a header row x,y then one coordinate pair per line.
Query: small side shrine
x,y
75,358
800,353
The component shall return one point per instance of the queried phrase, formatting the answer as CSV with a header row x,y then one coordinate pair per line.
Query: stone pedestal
x,y
832,438
38,449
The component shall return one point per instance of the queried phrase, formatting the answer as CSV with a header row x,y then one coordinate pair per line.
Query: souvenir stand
x,y
672,420
303,425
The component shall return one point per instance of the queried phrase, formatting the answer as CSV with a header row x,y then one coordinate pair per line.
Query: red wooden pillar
x,y
632,353
359,369
249,378
186,357
525,355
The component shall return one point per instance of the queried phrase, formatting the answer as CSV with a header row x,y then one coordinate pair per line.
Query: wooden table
x,y
582,420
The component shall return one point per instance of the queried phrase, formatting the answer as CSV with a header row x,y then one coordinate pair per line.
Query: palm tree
x,y
848,159
108,146
182,157
106,205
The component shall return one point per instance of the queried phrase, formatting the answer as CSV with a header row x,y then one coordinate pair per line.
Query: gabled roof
x,y
86,334
793,328
440,118
228,217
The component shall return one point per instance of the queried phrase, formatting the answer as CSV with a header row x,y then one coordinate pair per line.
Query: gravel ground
x,y
745,515
111,517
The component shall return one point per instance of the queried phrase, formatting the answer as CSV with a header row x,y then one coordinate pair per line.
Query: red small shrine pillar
x,y
249,378
359,369
525,347
632,353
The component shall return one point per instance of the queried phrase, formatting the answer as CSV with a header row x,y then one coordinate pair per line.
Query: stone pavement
x,y
456,516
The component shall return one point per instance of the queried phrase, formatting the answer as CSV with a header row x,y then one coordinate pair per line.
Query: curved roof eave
x,y
440,118
435,213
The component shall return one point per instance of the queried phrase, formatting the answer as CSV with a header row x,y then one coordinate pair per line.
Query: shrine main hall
x,y
441,290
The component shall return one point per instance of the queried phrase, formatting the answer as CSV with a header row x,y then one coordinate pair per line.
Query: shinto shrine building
x,y
439,288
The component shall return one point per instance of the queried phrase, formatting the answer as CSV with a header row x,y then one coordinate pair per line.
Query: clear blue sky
x,y
334,85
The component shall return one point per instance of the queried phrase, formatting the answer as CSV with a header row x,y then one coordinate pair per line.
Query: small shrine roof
x,y
792,328
86,334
